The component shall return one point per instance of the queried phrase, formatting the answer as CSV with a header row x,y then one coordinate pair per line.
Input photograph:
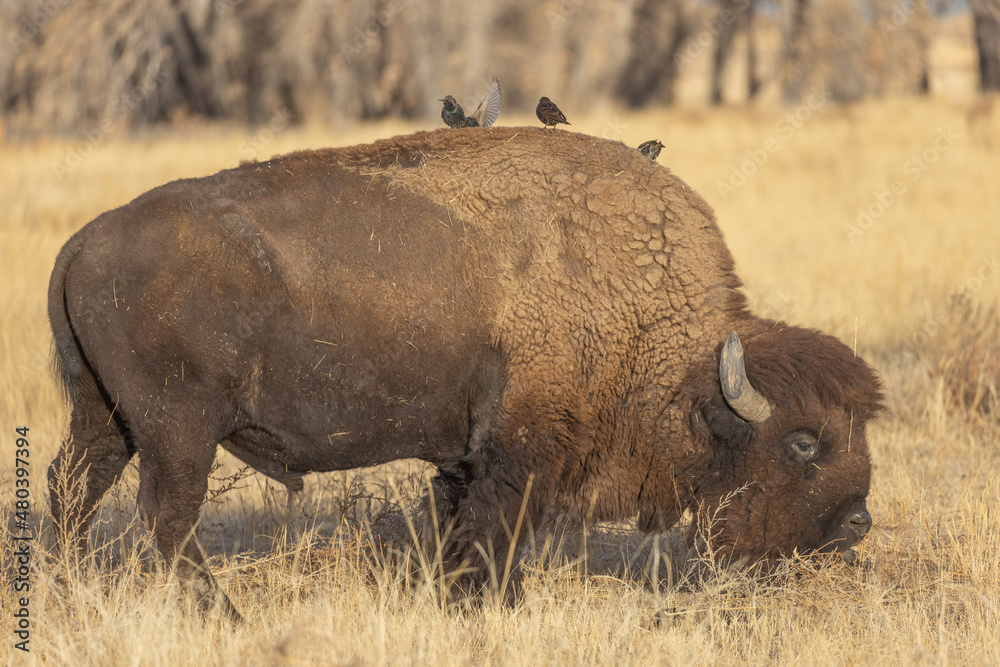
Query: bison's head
x,y
790,470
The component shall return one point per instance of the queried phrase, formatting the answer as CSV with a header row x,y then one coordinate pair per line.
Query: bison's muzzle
x,y
850,528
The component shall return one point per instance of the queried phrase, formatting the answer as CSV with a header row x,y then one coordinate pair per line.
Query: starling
x,y
549,113
452,113
488,110
485,115
651,148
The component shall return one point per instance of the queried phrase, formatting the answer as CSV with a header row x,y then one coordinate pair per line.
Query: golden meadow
x,y
876,222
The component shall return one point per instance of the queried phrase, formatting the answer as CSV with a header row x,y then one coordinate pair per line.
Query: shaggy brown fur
x,y
450,296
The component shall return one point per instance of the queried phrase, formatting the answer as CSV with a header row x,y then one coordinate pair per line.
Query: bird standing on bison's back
x,y
651,148
485,115
452,113
549,113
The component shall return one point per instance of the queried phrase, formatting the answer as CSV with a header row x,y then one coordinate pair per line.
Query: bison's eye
x,y
802,446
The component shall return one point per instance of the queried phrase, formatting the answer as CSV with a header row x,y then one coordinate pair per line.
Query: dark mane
x,y
791,365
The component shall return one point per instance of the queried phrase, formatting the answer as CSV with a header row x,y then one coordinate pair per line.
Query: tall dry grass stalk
x,y
964,360
323,588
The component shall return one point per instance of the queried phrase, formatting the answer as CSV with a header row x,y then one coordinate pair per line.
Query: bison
x,y
521,309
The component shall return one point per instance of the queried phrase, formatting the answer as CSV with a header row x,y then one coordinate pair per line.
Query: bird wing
x,y
489,109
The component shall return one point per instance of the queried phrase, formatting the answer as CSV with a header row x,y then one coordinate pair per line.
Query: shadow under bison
x,y
519,308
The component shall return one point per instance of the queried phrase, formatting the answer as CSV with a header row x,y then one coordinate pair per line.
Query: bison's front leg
x,y
511,488
440,506
173,481
490,529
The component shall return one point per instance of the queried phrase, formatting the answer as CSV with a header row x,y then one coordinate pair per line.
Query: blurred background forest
x,y
69,64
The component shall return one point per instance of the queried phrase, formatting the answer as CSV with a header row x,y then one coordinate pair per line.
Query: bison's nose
x,y
860,522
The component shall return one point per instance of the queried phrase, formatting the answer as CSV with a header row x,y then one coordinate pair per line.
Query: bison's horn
x,y
745,401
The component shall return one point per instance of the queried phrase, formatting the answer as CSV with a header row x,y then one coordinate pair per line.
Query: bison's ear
x,y
721,423
713,420
745,401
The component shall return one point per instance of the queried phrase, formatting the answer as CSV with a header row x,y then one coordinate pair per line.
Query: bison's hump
x,y
571,189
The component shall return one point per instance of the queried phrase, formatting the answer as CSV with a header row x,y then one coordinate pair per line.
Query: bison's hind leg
x,y
89,462
173,481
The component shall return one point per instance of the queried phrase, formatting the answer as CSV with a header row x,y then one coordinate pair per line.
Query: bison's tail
x,y
68,357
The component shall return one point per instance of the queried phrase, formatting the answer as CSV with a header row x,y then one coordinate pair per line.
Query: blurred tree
x,y
794,13
899,57
97,65
753,76
734,15
729,17
844,50
660,29
986,29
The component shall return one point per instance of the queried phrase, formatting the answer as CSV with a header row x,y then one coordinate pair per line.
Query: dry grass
x,y
318,592
965,360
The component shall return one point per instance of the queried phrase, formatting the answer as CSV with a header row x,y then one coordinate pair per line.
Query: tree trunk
x,y
753,80
727,21
660,32
795,67
986,27
924,86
